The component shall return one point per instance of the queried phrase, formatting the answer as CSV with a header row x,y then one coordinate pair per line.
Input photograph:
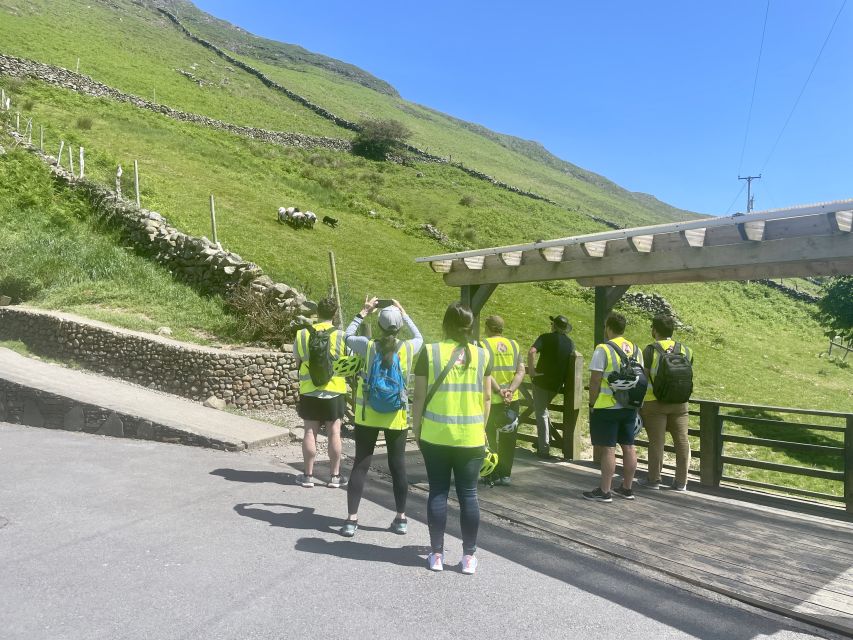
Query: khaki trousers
x,y
658,418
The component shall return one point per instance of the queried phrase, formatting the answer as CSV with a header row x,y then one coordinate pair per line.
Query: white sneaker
x,y
646,484
305,481
435,562
677,487
469,565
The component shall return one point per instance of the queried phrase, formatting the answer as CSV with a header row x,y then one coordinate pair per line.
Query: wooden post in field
x,y
82,163
213,219
155,95
572,403
118,183
59,155
17,122
71,159
41,138
28,131
2,98
78,66
136,182
340,314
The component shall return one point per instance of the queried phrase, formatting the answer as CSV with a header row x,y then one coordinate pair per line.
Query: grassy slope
x,y
49,241
752,344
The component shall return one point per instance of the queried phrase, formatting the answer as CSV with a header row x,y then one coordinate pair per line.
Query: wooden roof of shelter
x,y
810,240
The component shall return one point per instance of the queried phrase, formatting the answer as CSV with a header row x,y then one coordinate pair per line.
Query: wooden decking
x,y
795,564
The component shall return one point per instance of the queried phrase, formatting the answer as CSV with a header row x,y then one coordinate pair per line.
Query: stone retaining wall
x,y
248,379
195,260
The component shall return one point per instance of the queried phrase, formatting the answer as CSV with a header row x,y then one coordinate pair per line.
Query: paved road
x,y
110,538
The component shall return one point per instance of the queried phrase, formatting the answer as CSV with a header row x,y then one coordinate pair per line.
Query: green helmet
x,y
489,464
348,366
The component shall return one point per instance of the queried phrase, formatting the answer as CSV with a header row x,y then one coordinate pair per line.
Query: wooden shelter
x,y
810,240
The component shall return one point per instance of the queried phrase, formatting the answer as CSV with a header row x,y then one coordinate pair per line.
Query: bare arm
x,y
531,361
418,405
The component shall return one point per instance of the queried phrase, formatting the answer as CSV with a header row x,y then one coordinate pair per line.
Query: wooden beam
x,y
474,262
842,221
552,254
693,265
753,231
641,244
441,266
694,237
510,258
595,249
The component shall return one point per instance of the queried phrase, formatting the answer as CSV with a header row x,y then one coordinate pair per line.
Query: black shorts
x,y
609,426
322,409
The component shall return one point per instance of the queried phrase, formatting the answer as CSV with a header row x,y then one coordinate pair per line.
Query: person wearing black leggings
x,y
381,357
453,389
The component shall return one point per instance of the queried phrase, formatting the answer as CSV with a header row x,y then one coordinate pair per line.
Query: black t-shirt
x,y
422,364
554,351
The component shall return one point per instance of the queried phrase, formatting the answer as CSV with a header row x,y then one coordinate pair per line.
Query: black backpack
x,y
320,364
630,371
673,382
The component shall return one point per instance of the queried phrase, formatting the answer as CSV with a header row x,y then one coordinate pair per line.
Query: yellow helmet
x,y
490,462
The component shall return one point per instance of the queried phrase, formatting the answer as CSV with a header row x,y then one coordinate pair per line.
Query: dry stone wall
x,y
248,379
195,260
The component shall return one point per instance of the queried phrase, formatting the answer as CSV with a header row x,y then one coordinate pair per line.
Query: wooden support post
x,y
605,299
59,155
476,296
2,98
136,188
572,403
29,131
78,66
41,138
71,159
118,183
848,465
340,314
17,122
82,163
710,444
213,219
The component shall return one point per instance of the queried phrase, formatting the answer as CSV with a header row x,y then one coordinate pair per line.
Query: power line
x,y
805,84
732,203
754,85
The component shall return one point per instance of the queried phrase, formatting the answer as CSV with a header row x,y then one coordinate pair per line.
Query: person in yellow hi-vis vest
x,y
507,376
610,423
322,394
453,395
391,360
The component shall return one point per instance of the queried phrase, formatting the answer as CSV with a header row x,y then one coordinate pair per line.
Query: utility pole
x,y
749,196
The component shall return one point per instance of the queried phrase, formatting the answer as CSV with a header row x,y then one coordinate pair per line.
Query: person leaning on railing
x,y
659,416
453,394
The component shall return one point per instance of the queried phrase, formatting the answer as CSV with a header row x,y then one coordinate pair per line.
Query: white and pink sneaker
x,y
469,565
435,562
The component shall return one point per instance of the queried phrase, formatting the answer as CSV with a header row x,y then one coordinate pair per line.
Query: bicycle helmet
x,y
489,464
348,366
511,418
618,383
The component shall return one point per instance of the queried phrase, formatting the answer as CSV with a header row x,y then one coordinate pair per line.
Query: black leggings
x,y
465,464
365,443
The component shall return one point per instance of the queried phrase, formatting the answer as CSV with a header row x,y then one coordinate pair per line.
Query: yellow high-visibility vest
x,y
337,347
667,344
455,415
365,415
505,355
605,398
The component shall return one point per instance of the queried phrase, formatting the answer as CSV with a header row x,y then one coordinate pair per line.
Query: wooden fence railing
x,y
715,459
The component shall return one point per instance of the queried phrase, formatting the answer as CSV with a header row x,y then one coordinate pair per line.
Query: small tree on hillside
x,y
378,137
836,306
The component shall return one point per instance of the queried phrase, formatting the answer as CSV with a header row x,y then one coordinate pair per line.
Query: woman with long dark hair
x,y
453,391
381,405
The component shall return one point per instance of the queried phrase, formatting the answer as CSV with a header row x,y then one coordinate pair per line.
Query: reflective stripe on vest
x,y
605,398
455,416
364,413
667,344
504,362
337,346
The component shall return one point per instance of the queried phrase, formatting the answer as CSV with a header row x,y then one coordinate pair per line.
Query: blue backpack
x,y
385,385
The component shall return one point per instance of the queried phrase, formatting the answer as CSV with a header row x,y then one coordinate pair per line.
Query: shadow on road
x,y
408,556
296,517
243,475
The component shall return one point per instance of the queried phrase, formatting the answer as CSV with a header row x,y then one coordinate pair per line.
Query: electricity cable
x,y
754,85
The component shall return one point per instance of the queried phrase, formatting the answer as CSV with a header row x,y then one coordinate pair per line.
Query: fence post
x,y
213,219
118,183
59,155
41,138
136,182
710,444
572,403
82,163
71,159
848,465
17,122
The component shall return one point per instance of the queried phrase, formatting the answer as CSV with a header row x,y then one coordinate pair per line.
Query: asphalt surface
x,y
111,538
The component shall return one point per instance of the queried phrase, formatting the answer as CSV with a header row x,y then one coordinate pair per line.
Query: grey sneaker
x,y
349,528
335,482
305,481
648,484
597,495
506,481
620,491
400,526
677,487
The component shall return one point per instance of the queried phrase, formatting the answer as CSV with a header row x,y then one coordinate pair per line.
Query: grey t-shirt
x,y
599,363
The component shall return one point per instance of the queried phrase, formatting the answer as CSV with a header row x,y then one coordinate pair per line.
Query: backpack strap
x,y
442,375
615,347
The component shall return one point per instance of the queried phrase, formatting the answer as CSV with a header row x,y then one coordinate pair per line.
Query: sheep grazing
x,y
310,219
295,218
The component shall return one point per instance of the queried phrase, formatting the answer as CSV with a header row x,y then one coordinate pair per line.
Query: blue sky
x,y
653,95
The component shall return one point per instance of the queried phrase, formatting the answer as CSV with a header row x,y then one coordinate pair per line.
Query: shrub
x,y
379,137
468,201
259,318
84,123
470,234
835,309
28,104
18,289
